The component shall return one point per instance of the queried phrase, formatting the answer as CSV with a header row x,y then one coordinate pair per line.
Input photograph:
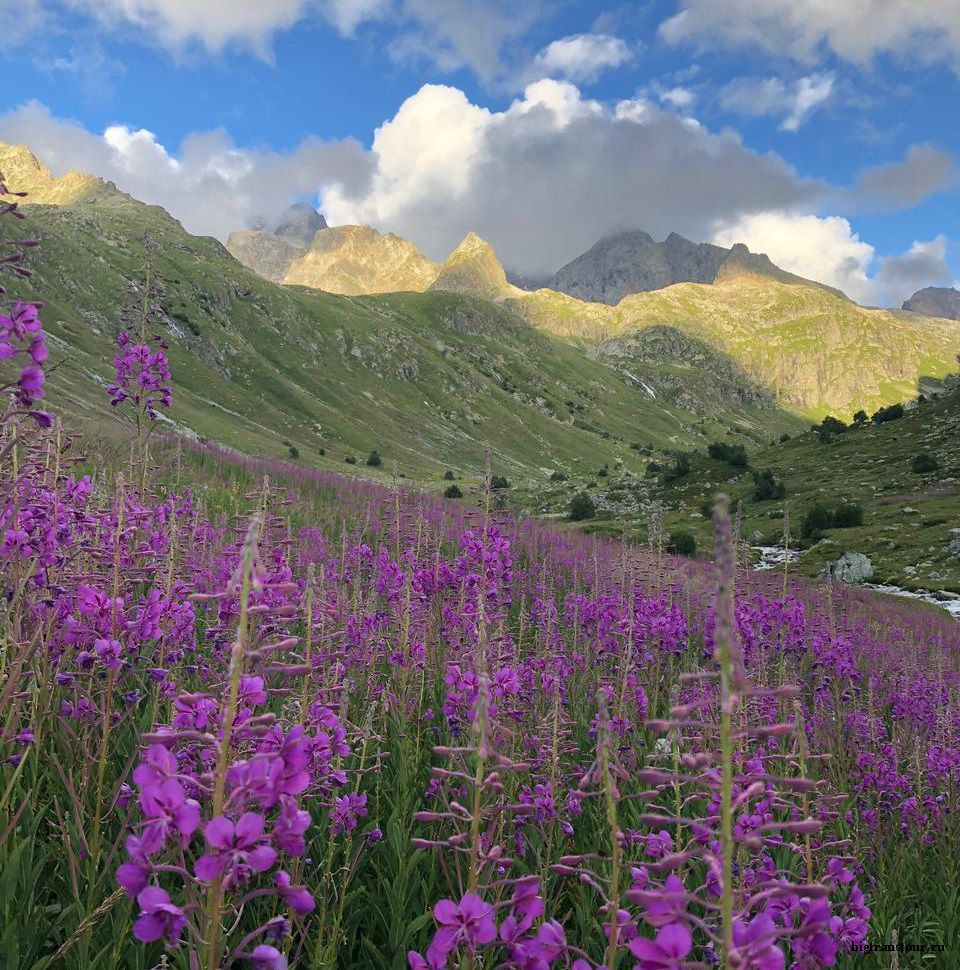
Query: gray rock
x,y
910,570
953,549
907,510
632,262
935,301
851,568
945,596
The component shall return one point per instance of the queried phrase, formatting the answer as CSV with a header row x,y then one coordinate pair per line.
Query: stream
x,y
772,557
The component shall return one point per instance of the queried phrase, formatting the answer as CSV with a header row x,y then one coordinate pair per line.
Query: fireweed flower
x,y
235,851
468,922
159,918
673,942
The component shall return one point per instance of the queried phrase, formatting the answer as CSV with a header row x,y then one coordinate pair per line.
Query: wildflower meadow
x,y
256,715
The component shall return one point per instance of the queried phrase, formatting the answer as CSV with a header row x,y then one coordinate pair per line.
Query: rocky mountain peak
x,y
301,222
358,260
935,301
24,172
633,262
473,267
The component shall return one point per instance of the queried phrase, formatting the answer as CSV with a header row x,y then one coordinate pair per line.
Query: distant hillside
x,y
816,351
633,262
431,380
935,301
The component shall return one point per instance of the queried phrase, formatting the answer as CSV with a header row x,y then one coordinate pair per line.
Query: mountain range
x,y
366,344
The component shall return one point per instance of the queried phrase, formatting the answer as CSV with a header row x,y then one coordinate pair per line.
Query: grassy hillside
x,y
910,517
429,380
818,352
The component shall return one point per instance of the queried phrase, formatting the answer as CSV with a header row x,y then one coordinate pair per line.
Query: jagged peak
x,y
24,172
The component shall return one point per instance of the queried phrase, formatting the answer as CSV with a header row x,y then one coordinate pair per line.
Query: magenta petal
x,y
644,949
261,858
188,817
675,940
445,911
132,877
249,828
149,927
219,833
209,867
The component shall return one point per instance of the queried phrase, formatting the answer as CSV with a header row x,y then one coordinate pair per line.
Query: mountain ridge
x,y
630,262
935,301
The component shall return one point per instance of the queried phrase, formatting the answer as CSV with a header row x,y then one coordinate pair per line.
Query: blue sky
x,y
824,137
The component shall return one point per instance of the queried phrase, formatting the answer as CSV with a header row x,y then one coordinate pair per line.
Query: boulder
x,y
953,549
851,568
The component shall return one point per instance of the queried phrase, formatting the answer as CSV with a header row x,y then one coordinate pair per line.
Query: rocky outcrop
x,y
267,255
358,260
851,568
24,172
633,262
300,223
474,268
271,251
935,301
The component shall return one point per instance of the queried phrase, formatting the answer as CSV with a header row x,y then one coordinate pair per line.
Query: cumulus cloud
x,y
924,264
793,101
902,185
581,57
211,185
825,249
926,31
551,174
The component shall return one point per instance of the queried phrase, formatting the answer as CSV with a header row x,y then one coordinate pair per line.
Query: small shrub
x,y
602,473
733,455
816,522
374,460
923,463
892,413
860,417
581,507
679,469
848,515
498,482
321,451
453,491
682,544
784,437
558,477
831,425
293,451
350,459
448,476
767,486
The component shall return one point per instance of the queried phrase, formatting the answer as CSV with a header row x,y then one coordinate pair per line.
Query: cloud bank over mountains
x,y
542,180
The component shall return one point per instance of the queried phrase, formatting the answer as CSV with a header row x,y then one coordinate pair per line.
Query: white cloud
x,y
547,177
854,30
581,57
823,249
210,185
794,102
